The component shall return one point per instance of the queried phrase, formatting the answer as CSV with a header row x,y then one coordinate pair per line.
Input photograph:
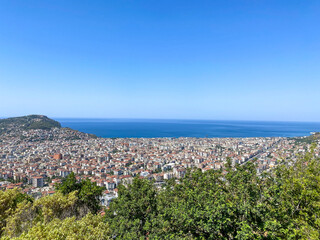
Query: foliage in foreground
x,y
90,227
232,204
73,206
88,193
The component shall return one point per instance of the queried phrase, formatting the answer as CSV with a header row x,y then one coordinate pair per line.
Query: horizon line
x,y
179,119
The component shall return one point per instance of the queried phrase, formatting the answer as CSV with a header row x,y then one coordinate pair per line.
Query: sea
x,y
156,128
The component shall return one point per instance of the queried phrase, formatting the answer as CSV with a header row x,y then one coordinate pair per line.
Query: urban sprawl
x,y
35,160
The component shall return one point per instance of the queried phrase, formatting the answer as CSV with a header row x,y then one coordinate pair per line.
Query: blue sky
x,y
221,60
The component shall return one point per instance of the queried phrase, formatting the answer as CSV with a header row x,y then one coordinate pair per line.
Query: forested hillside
x,y
234,203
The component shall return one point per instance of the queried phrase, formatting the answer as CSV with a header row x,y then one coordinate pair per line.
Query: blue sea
x,y
137,128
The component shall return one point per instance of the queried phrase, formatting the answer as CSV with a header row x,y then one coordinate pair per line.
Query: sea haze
x,y
137,128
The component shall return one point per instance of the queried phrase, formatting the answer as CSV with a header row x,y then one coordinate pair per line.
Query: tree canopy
x,y
88,193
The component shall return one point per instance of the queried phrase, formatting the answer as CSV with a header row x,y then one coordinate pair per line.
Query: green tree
x,y
45,209
294,199
130,215
89,227
88,193
9,201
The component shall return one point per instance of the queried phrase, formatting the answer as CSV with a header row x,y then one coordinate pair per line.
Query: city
x,y
35,160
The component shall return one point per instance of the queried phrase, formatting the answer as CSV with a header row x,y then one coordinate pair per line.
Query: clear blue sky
x,y
226,59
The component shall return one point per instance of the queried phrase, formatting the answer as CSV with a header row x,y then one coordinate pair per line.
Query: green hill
x,y
308,139
28,122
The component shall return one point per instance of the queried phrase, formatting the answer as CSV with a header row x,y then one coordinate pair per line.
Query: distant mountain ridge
x,y
28,122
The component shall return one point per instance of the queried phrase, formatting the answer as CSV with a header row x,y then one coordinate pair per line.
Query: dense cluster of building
x,y
35,160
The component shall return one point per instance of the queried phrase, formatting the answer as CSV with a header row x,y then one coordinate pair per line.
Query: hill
x,y
49,129
308,139
28,122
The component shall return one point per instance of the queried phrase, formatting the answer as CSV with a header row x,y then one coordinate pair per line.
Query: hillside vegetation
x,y
47,129
28,122
308,139
235,203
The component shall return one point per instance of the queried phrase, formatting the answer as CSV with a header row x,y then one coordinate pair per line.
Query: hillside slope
x,y
28,122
